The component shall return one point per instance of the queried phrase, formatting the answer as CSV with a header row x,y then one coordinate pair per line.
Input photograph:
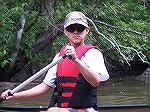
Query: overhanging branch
x,y
117,46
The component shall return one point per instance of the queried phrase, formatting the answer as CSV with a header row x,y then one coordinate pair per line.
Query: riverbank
x,y
114,68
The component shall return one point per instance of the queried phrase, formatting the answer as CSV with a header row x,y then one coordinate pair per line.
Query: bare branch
x,y
115,45
115,27
140,54
118,47
101,33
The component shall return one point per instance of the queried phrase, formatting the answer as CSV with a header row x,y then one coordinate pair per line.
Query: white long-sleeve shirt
x,y
93,59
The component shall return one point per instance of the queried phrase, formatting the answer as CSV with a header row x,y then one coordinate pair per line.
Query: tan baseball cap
x,y
75,17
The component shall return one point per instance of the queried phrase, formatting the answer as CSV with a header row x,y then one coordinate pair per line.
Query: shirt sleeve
x,y
51,74
93,59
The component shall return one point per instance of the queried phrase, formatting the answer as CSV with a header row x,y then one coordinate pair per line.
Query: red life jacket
x,y
73,90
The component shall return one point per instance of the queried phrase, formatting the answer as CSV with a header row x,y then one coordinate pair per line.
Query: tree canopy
x,y
32,30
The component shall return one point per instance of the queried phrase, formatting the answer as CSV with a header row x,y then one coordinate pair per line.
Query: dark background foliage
x,y
123,31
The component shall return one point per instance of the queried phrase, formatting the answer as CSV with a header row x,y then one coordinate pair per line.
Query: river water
x,y
118,90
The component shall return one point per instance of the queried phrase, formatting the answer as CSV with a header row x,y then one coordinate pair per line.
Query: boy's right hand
x,y
6,95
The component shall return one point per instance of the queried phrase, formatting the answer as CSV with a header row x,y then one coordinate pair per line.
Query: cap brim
x,y
76,22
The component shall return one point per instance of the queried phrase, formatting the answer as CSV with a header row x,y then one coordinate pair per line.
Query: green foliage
x,y
7,31
122,19
129,18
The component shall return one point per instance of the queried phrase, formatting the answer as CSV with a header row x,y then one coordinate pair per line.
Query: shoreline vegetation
x,y
32,33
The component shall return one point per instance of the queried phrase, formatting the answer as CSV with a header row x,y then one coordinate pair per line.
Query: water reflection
x,y
124,90
116,91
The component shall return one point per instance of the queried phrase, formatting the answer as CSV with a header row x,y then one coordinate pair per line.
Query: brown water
x,y
117,90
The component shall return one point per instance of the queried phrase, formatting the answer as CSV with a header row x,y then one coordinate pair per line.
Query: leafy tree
x,y
120,28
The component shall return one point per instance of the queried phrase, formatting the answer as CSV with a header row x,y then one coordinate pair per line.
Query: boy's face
x,y
76,33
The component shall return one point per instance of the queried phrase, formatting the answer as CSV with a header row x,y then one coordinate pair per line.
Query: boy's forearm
x,y
89,75
33,92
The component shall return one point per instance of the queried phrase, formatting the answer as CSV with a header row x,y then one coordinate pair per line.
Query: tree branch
x,y
117,46
19,34
115,27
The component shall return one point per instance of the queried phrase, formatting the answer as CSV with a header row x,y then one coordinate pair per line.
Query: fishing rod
x,y
36,75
